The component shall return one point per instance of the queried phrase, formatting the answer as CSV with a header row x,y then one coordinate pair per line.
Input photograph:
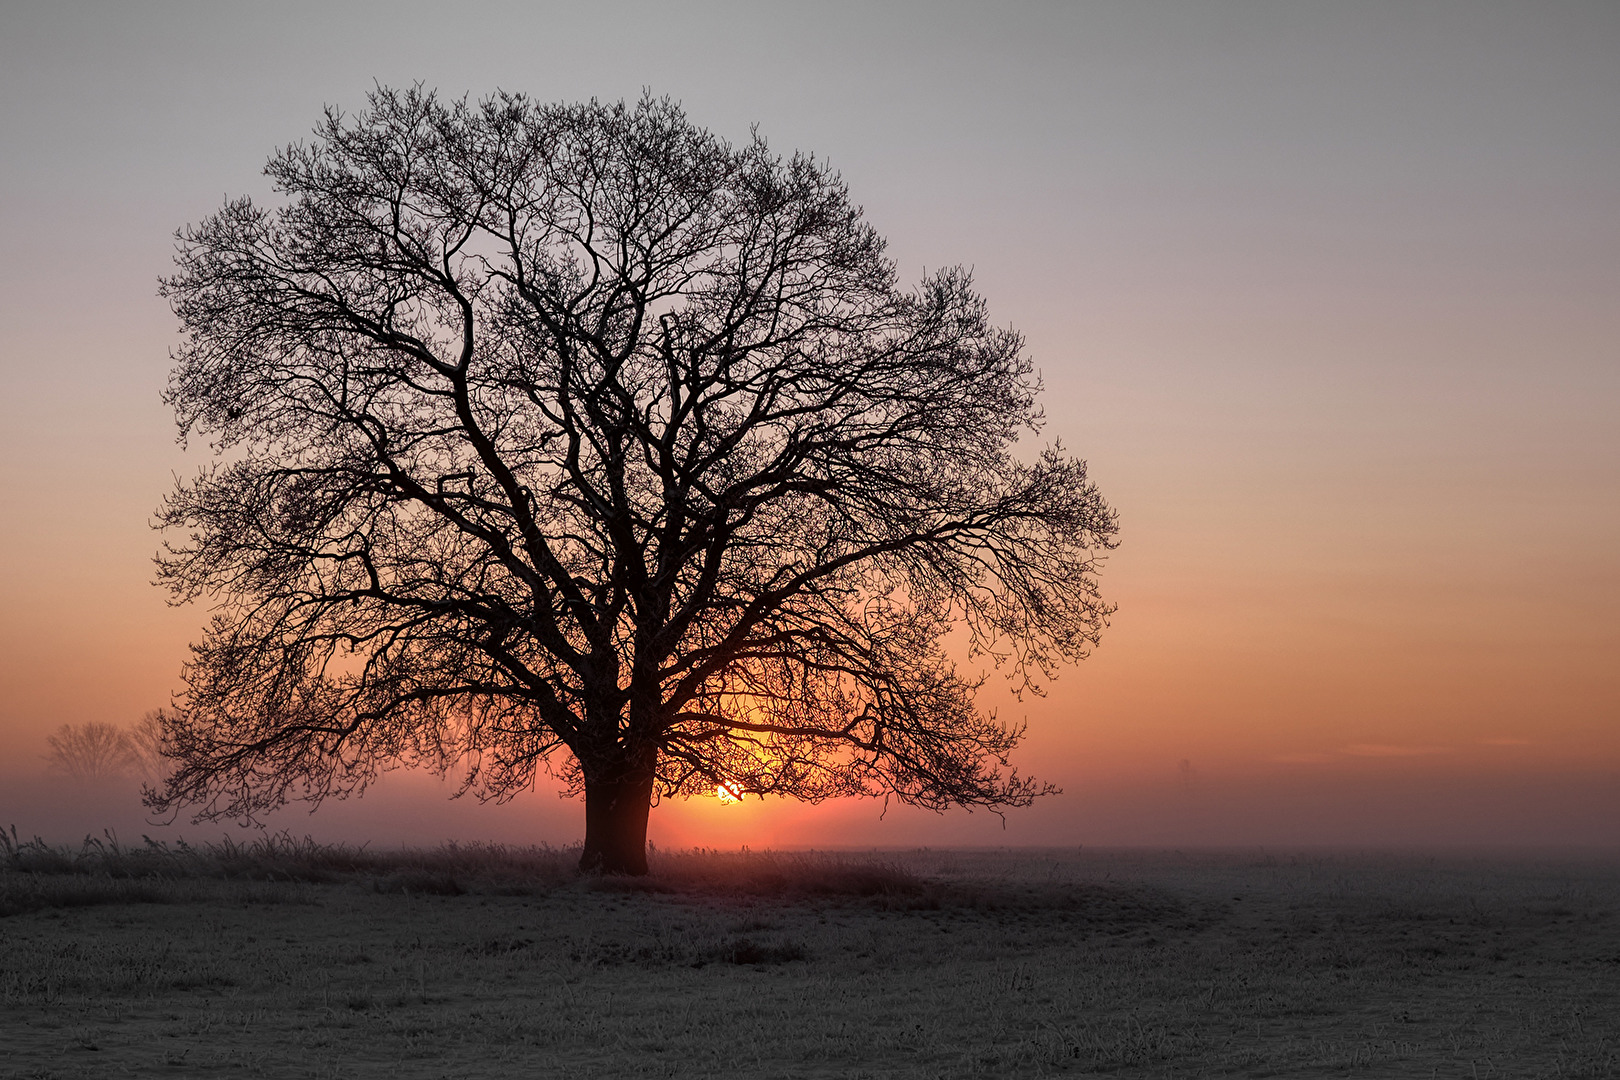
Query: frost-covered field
x,y
493,962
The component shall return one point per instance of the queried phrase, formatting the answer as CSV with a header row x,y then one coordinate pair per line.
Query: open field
x,y
297,961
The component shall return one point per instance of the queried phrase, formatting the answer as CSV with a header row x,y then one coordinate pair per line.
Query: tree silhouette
x,y
573,436
146,745
90,752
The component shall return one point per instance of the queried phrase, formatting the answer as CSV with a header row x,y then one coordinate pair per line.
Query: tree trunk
x,y
616,809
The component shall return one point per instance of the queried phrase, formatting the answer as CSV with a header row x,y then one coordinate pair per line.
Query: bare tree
x,y
90,752
146,745
573,436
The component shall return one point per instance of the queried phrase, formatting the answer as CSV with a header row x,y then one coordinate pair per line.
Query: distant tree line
x,y
94,750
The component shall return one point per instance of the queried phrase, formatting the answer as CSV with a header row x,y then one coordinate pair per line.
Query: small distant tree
x,y
90,751
146,745
571,436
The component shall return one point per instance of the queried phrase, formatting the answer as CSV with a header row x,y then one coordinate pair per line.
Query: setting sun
x,y
726,794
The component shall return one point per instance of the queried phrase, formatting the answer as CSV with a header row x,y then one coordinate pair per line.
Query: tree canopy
x,y
570,436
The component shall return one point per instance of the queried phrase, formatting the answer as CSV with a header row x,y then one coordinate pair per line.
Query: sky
x,y
1325,294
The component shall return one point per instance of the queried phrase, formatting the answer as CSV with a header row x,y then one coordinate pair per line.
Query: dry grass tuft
x,y
35,875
